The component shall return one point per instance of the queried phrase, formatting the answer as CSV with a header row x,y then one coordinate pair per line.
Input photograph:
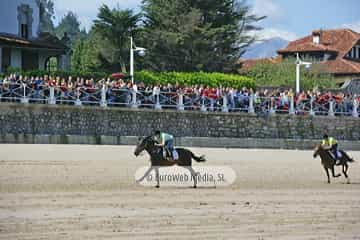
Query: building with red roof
x,y
337,50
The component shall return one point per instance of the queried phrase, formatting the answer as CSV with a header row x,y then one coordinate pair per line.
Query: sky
x,y
288,19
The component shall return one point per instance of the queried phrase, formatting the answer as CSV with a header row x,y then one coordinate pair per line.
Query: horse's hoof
x,y
195,186
157,186
348,181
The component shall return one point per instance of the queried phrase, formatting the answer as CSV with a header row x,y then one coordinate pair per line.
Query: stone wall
x,y
94,125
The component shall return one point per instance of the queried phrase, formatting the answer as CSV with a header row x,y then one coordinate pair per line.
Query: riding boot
x,y
337,160
165,153
171,159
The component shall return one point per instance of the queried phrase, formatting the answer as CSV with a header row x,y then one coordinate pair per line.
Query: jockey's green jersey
x,y
329,141
164,137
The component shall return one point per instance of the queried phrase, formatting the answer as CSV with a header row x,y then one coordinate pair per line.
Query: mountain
x,y
265,49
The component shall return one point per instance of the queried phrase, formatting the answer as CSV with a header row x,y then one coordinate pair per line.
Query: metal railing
x,y
123,97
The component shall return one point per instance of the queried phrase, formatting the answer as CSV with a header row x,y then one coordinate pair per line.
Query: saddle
x,y
339,154
171,156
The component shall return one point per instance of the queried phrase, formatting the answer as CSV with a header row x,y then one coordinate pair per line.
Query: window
x,y
352,52
327,56
6,58
24,31
316,39
25,20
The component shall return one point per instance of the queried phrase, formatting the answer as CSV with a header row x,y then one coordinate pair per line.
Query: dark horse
x,y
328,161
157,160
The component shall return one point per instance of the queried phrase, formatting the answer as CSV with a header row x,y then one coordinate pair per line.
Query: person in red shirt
x,y
205,92
213,94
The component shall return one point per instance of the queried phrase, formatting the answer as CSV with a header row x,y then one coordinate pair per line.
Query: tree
x,y
193,35
71,25
283,74
85,57
114,27
46,8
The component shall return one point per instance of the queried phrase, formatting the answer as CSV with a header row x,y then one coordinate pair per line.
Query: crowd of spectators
x,y
120,92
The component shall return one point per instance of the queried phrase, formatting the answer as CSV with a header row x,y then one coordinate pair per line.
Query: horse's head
x,y
144,144
317,149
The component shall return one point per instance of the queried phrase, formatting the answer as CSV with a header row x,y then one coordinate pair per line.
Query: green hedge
x,y
209,79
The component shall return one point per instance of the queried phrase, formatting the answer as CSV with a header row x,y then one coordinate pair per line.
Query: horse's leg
x,y
345,168
145,175
193,175
157,177
327,173
333,172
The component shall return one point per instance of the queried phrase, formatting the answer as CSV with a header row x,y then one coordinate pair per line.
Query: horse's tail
x,y
348,159
198,159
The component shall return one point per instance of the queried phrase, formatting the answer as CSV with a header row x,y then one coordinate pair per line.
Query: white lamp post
x,y
298,64
133,49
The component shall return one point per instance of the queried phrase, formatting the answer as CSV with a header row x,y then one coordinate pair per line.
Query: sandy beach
x,y
89,192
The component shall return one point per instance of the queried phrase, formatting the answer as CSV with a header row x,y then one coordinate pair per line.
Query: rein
x,y
324,153
151,149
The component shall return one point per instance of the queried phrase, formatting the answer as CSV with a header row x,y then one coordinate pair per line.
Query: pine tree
x,y
194,35
70,24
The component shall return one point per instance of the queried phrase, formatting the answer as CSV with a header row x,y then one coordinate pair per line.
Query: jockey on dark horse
x,y
330,143
166,141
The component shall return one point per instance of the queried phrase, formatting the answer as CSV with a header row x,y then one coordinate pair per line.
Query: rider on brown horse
x,y
330,143
166,141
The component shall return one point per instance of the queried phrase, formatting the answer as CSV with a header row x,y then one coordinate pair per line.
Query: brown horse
x,y
328,161
157,159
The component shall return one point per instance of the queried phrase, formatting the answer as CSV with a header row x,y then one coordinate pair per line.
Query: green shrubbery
x,y
181,78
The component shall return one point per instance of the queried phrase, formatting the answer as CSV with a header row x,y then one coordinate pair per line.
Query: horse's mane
x,y
149,138
321,148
